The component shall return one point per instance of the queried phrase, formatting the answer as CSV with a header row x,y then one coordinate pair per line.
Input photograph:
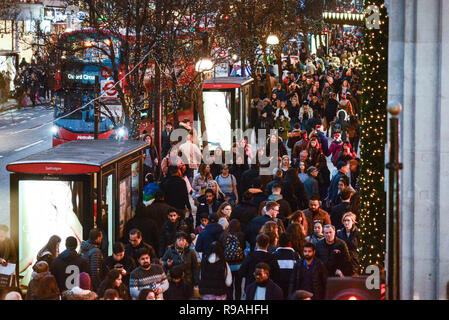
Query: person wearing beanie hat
x,y
85,282
82,291
68,257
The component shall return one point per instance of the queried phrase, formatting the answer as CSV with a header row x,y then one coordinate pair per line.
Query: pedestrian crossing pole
x,y
393,220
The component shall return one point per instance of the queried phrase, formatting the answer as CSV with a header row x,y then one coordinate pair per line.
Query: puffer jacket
x,y
76,293
92,253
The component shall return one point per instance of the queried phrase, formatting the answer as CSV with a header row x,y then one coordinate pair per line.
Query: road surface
x,y
21,134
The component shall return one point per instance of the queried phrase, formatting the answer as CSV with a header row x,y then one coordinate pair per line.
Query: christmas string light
x,y
374,131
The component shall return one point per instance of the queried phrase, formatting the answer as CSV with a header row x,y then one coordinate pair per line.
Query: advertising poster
x,y
218,119
125,202
46,208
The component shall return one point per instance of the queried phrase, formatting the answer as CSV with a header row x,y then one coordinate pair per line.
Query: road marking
x,y
1,156
28,146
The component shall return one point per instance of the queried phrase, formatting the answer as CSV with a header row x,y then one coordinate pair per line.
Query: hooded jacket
x,y
211,233
60,266
91,252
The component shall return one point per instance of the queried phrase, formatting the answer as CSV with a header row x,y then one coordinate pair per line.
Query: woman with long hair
x,y
285,163
199,184
113,280
50,251
215,274
150,156
317,234
282,150
224,213
233,239
219,195
350,234
297,237
299,217
313,150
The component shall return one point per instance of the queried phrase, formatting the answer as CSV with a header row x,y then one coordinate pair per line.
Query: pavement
x,y
23,132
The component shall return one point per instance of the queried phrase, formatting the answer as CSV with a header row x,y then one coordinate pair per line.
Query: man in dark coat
x,y
263,288
248,177
340,209
146,225
135,243
175,190
261,254
330,110
118,260
90,250
157,211
245,211
334,253
284,207
65,264
309,274
272,210
165,137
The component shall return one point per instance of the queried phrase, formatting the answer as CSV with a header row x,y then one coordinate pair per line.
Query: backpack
x,y
232,251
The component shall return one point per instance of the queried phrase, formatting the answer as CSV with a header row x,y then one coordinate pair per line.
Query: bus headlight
x,y
121,132
54,130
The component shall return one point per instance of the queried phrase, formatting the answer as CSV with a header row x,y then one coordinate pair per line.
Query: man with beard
x,y
147,276
315,213
263,288
309,274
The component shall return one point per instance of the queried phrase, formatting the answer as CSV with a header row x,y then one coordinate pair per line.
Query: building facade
x,y
418,78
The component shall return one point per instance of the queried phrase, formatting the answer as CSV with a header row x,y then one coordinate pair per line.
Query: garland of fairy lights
x,y
373,138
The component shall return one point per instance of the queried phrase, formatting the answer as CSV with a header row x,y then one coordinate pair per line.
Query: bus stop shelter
x,y
70,189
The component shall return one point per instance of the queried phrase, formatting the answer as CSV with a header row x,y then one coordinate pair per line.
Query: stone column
x,y
419,80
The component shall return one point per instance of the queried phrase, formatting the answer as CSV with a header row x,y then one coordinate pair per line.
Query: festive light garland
x,y
373,138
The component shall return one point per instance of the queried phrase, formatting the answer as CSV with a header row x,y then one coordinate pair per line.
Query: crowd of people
x,y
224,231
34,83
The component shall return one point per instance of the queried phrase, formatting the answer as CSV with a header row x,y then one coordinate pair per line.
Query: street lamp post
x,y
273,40
393,220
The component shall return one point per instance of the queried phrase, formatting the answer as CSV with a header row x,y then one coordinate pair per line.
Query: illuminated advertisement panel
x,y
217,117
46,208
